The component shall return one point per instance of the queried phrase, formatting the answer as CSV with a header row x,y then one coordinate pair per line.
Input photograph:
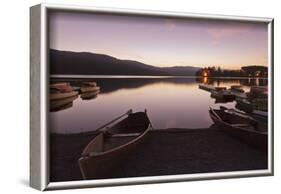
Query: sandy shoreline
x,y
166,152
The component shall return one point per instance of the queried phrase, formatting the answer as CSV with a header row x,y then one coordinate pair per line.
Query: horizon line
x,y
195,66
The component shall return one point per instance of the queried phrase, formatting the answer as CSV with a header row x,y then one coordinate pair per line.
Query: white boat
x,y
84,89
89,87
89,95
61,90
93,84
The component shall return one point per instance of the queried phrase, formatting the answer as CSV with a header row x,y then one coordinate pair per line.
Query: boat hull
x,y
253,138
100,166
97,163
244,105
222,96
89,95
59,96
61,104
89,89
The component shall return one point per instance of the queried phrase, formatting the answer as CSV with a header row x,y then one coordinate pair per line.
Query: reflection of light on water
x,y
257,81
176,103
205,80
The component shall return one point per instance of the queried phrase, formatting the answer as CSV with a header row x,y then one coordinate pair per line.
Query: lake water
x,y
171,102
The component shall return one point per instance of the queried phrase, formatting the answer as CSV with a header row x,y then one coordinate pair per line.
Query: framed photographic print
x,y
124,97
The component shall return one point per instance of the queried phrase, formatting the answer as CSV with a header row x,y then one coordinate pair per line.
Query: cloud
x,y
219,34
170,24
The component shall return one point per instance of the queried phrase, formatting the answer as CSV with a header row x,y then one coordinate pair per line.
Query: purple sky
x,y
161,41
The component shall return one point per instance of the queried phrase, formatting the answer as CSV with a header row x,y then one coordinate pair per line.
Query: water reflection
x,y
233,81
171,103
62,104
89,95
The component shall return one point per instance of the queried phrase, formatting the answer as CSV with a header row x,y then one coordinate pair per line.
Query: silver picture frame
x,y
39,136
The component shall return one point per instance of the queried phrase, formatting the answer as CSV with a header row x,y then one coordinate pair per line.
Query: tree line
x,y
246,71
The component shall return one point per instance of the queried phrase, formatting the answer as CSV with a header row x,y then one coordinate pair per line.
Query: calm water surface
x,y
170,102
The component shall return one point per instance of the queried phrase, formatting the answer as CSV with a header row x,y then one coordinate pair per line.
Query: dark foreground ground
x,y
166,152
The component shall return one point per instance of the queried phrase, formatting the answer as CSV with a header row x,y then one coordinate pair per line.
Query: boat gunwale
x,y
240,128
73,93
93,154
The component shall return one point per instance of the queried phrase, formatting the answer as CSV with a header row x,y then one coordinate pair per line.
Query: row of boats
x,y
63,94
101,157
254,102
241,125
117,138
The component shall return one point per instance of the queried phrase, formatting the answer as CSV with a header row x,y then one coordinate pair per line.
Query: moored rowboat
x,y
241,126
108,149
59,96
61,104
89,87
210,88
89,95
237,88
60,91
222,93
85,89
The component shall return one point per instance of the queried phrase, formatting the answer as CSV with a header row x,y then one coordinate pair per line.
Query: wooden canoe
x,y
109,149
241,126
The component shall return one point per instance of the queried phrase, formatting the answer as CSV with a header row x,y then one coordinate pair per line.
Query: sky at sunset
x,y
161,42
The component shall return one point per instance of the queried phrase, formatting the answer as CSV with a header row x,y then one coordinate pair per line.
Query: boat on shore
x,y
60,91
111,146
241,126
89,87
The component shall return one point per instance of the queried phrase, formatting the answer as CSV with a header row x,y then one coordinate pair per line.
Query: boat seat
x,y
240,125
126,135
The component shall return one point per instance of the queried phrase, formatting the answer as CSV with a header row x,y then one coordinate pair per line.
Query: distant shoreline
x,y
140,76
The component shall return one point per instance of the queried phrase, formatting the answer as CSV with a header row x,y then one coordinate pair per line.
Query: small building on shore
x,y
255,71
246,71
